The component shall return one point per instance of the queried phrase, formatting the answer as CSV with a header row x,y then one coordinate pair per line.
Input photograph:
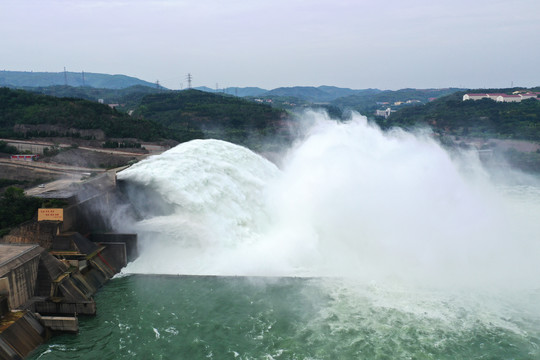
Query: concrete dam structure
x,y
51,266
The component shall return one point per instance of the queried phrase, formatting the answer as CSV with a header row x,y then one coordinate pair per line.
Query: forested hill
x,y
194,113
43,79
25,114
126,98
481,118
179,115
366,103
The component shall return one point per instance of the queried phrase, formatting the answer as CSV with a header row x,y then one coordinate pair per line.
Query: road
x,y
70,174
57,185
51,167
38,146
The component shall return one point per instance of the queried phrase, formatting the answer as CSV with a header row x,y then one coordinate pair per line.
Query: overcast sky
x,y
388,44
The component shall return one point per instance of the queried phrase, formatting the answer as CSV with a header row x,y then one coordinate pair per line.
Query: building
x,y
500,97
508,98
475,96
529,95
384,113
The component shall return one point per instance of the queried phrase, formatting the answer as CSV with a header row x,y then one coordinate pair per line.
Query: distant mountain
x,y
205,89
236,91
317,94
337,92
44,79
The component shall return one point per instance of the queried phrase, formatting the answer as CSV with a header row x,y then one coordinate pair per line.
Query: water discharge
x,y
369,244
349,200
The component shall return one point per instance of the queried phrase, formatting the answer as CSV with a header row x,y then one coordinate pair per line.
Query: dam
x,y
361,245
52,265
327,257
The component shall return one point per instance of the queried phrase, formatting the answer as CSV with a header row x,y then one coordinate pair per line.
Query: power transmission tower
x,y
157,84
83,84
65,76
189,78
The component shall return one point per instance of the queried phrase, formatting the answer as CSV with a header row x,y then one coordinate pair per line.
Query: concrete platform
x,y
9,252
18,272
20,334
61,323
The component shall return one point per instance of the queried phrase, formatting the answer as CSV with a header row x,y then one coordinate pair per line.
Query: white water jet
x,y
350,201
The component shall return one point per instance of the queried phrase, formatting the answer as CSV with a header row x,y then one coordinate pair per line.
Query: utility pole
x,y
189,78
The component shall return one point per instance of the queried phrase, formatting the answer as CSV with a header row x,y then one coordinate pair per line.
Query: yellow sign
x,y
51,215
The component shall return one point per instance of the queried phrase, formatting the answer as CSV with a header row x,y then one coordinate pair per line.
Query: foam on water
x,y
350,201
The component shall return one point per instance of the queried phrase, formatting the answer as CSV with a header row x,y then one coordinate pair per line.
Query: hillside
x,y
482,118
317,94
126,98
366,103
44,79
24,114
195,114
179,115
236,91
508,132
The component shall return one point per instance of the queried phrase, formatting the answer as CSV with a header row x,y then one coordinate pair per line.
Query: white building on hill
x,y
501,97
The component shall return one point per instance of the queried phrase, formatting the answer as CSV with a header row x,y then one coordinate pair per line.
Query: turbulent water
x,y
163,317
362,244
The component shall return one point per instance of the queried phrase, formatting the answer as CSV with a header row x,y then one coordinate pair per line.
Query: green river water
x,y
196,317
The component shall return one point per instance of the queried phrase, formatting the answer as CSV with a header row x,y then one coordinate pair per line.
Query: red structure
x,y
33,157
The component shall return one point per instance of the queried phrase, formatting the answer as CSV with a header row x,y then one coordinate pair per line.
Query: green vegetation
x,y
482,118
16,208
451,116
54,204
181,116
21,107
192,114
8,182
7,149
366,103
339,102
126,98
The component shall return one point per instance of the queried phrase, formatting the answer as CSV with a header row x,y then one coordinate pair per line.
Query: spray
x,y
349,201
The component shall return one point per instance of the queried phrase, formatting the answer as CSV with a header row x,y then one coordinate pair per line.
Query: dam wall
x,y
20,333
51,269
18,272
